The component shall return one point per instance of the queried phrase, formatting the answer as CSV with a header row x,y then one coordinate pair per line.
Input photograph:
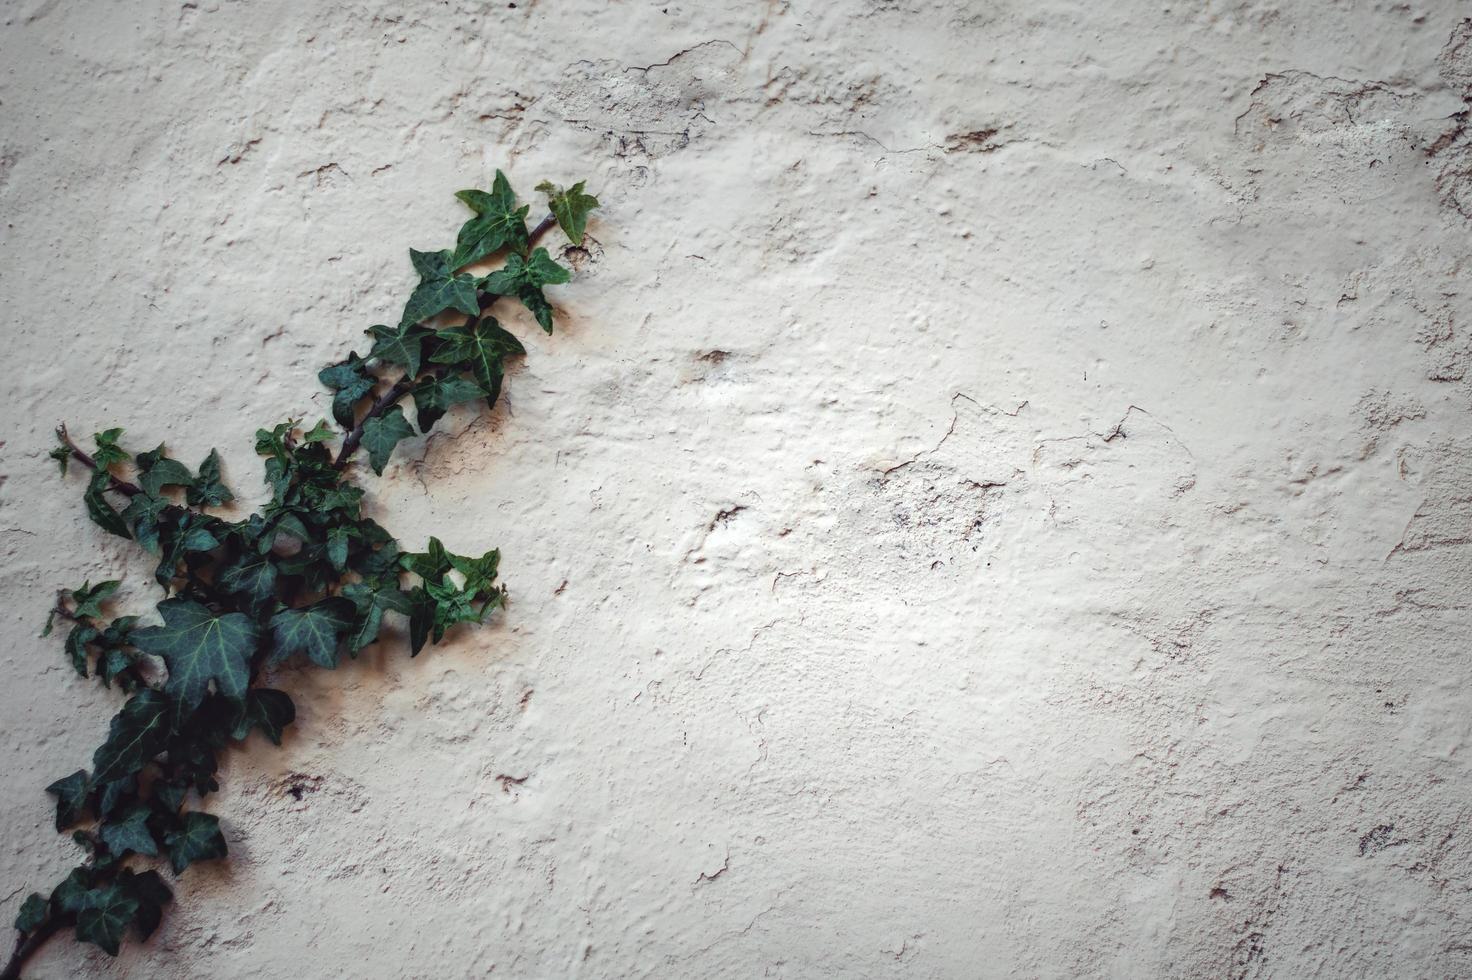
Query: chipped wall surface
x,y
1000,505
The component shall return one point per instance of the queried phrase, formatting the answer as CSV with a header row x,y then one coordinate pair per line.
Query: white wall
x,y
999,505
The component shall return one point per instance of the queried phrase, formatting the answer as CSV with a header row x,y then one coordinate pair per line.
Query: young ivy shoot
x,y
307,578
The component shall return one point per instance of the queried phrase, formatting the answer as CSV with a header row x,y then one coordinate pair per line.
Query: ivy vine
x,y
307,577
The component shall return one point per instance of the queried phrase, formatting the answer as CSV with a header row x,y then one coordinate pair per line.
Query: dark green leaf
x,y
272,441
32,912
343,498
68,895
89,597
130,833
498,222
207,490
421,618
369,623
439,288
539,270
337,547
156,471
109,453
382,434
152,895
104,914
168,797
321,432
524,279
114,794
480,572
372,602
198,839
145,514
191,534
100,510
253,576
62,453
435,396
350,382
482,349
431,564
453,605
111,664
570,207
76,646
314,631
199,647
137,734
270,711
71,798
402,345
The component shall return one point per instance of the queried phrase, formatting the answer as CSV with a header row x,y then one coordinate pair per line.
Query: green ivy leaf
x,y
366,632
431,564
199,647
253,576
480,572
498,222
321,432
156,471
152,895
269,710
207,490
421,618
89,597
399,345
130,833
191,535
337,548
104,914
32,912
481,349
144,514
109,453
197,839
71,798
100,510
350,382
439,289
136,735
433,397
372,602
68,896
76,646
524,279
62,453
453,605
570,207
115,794
314,631
382,434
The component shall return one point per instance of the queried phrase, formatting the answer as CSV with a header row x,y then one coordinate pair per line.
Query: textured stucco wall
x,y
1000,506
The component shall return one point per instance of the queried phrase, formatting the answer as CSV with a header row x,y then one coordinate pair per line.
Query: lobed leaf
x,y
382,434
570,207
498,223
200,647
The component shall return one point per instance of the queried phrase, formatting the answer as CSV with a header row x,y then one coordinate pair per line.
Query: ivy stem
x,y
119,486
25,947
404,385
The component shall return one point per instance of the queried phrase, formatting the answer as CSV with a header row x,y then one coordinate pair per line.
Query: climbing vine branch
x,y
308,577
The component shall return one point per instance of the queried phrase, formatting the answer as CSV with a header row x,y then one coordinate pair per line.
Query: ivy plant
x,y
307,578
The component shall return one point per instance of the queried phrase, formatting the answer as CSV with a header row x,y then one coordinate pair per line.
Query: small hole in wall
x,y
296,791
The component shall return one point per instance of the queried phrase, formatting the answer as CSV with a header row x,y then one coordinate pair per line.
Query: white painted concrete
x,y
999,506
